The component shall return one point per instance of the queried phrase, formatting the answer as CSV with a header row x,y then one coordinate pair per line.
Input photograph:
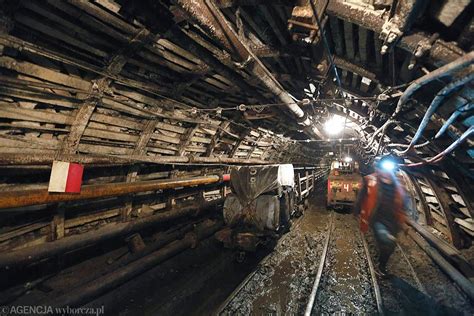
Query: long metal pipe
x,y
208,16
49,249
22,198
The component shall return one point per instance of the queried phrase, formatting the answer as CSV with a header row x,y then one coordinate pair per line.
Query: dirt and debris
x,y
283,282
346,284
401,294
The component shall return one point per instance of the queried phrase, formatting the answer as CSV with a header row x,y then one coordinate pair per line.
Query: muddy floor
x,y
282,283
346,284
416,286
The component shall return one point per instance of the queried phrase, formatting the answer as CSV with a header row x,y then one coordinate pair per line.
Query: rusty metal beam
x,y
42,196
443,200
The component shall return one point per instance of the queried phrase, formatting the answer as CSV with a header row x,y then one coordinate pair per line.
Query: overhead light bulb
x,y
334,125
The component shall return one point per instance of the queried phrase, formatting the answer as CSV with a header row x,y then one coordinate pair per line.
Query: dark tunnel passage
x,y
249,157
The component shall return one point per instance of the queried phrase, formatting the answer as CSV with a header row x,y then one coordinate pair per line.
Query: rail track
x,y
336,261
416,280
343,277
224,305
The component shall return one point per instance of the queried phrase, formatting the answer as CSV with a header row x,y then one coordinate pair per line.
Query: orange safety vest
x,y
369,202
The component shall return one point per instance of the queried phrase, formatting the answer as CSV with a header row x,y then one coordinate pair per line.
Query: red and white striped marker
x,y
66,177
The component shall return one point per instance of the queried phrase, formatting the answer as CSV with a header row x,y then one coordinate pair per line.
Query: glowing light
x,y
388,165
348,159
334,125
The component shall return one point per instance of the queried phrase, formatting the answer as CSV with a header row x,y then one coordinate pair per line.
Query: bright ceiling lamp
x,y
334,125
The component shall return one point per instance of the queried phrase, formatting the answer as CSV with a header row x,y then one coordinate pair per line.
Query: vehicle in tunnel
x,y
259,208
344,182
156,101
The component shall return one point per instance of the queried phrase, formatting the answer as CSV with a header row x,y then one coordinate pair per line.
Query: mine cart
x,y
344,183
258,209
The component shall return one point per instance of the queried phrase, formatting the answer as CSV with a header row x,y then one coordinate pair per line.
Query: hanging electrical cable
x,y
437,101
378,131
441,72
405,145
453,117
441,155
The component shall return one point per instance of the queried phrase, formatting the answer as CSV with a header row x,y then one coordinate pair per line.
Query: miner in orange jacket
x,y
381,205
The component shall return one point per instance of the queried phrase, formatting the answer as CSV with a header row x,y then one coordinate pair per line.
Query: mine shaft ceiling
x,y
96,78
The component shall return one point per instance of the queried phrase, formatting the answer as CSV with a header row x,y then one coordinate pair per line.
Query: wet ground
x,y
435,295
282,283
346,284
416,286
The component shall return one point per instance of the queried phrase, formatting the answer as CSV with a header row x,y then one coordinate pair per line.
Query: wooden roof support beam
x,y
45,159
354,68
208,16
217,63
115,65
215,138
440,53
186,139
18,44
233,3
140,149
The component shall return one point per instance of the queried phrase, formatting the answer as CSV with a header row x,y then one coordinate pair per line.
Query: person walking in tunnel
x,y
381,205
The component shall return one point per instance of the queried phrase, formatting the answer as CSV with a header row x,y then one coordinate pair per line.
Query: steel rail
x,y
378,296
412,270
317,280
249,277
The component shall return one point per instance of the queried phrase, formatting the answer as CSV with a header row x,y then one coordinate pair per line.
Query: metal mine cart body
x,y
258,209
344,183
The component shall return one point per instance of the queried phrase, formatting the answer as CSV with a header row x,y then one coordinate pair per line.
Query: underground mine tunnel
x,y
249,157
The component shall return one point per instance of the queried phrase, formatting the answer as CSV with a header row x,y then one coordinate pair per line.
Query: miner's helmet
x,y
386,163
